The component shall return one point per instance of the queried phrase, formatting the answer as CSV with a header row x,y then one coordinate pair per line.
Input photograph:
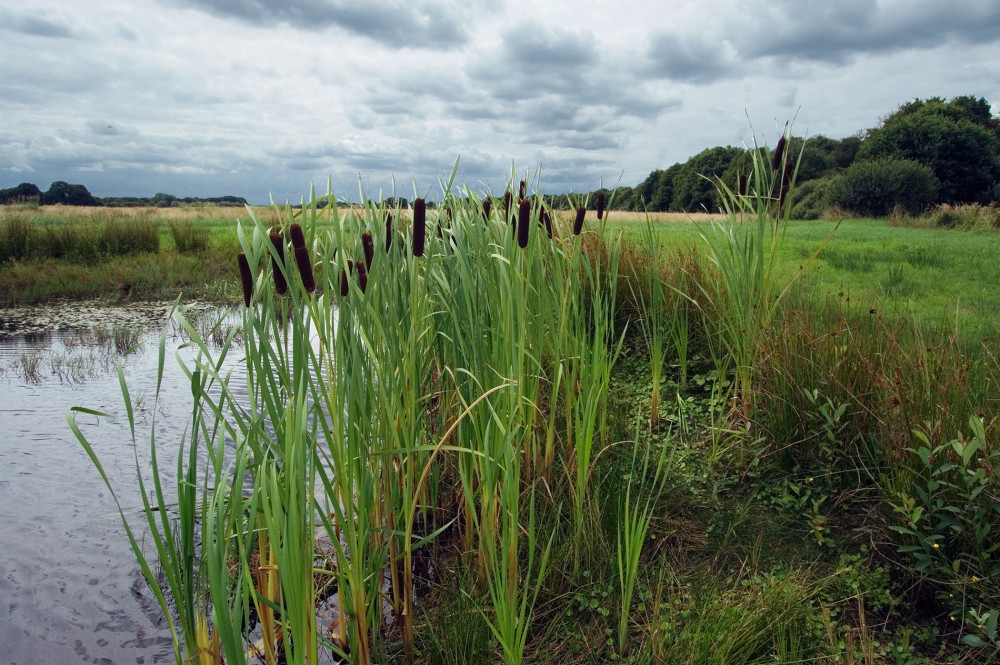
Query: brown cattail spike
x,y
246,277
368,246
280,285
522,189
523,222
344,285
779,152
508,199
600,205
742,188
546,220
388,230
305,269
487,204
581,212
298,238
362,276
419,226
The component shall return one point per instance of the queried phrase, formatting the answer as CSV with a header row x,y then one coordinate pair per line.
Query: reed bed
x,y
443,386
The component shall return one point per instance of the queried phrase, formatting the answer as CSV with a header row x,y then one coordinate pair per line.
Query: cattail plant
x,y
779,153
305,269
388,230
246,278
600,205
786,183
742,184
362,275
508,199
368,246
344,284
523,222
581,212
419,226
522,189
487,204
298,238
546,220
280,285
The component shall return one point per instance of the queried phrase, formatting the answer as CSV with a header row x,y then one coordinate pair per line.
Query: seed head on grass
x,y
362,276
600,205
367,246
742,187
581,212
246,278
298,238
344,286
305,269
487,204
779,152
280,285
523,222
546,220
419,226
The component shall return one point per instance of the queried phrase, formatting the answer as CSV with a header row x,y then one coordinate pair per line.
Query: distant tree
x,y
958,140
694,185
161,200
63,193
24,193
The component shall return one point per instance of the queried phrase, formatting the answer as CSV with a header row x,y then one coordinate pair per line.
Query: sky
x,y
268,98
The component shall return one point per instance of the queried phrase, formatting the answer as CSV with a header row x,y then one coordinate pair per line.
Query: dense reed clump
x,y
26,235
564,426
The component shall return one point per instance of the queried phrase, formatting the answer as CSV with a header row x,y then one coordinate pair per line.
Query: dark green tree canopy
x,y
875,188
63,193
24,193
958,140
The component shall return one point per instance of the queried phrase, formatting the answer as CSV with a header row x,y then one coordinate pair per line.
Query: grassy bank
x,y
497,443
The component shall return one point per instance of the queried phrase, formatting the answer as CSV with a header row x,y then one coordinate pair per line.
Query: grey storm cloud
x,y
687,58
393,23
34,23
833,31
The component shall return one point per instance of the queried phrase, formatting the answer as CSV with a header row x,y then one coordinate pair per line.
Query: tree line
x,y
64,193
925,153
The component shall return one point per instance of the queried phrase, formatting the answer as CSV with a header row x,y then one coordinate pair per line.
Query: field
x,y
680,443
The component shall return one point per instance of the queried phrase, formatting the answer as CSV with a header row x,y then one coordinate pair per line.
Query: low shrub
x,y
875,188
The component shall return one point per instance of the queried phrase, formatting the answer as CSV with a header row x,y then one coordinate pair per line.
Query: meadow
x,y
504,433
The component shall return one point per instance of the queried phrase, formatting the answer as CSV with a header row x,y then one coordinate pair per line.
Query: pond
x,y
70,586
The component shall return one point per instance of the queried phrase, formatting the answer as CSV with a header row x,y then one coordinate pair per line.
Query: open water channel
x,y
70,588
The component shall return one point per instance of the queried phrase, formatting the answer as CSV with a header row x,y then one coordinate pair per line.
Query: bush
x,y
811,199
875,188
971,217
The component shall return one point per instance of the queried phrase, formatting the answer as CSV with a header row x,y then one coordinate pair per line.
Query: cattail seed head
x,y
367,246
546,221
388,230
581,212
742,188
508,199
523,222
280,285
305,269
419,226
362,276
779,152
487,204
344,286
786,183
298,238
522,189
246,277
600,205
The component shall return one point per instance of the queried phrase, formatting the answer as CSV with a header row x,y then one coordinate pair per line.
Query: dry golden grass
x,y
143,212
627,216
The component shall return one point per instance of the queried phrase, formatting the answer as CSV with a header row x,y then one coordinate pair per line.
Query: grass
x,y
819,486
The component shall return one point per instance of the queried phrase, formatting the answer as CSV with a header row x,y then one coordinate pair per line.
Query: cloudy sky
x,y
261,97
